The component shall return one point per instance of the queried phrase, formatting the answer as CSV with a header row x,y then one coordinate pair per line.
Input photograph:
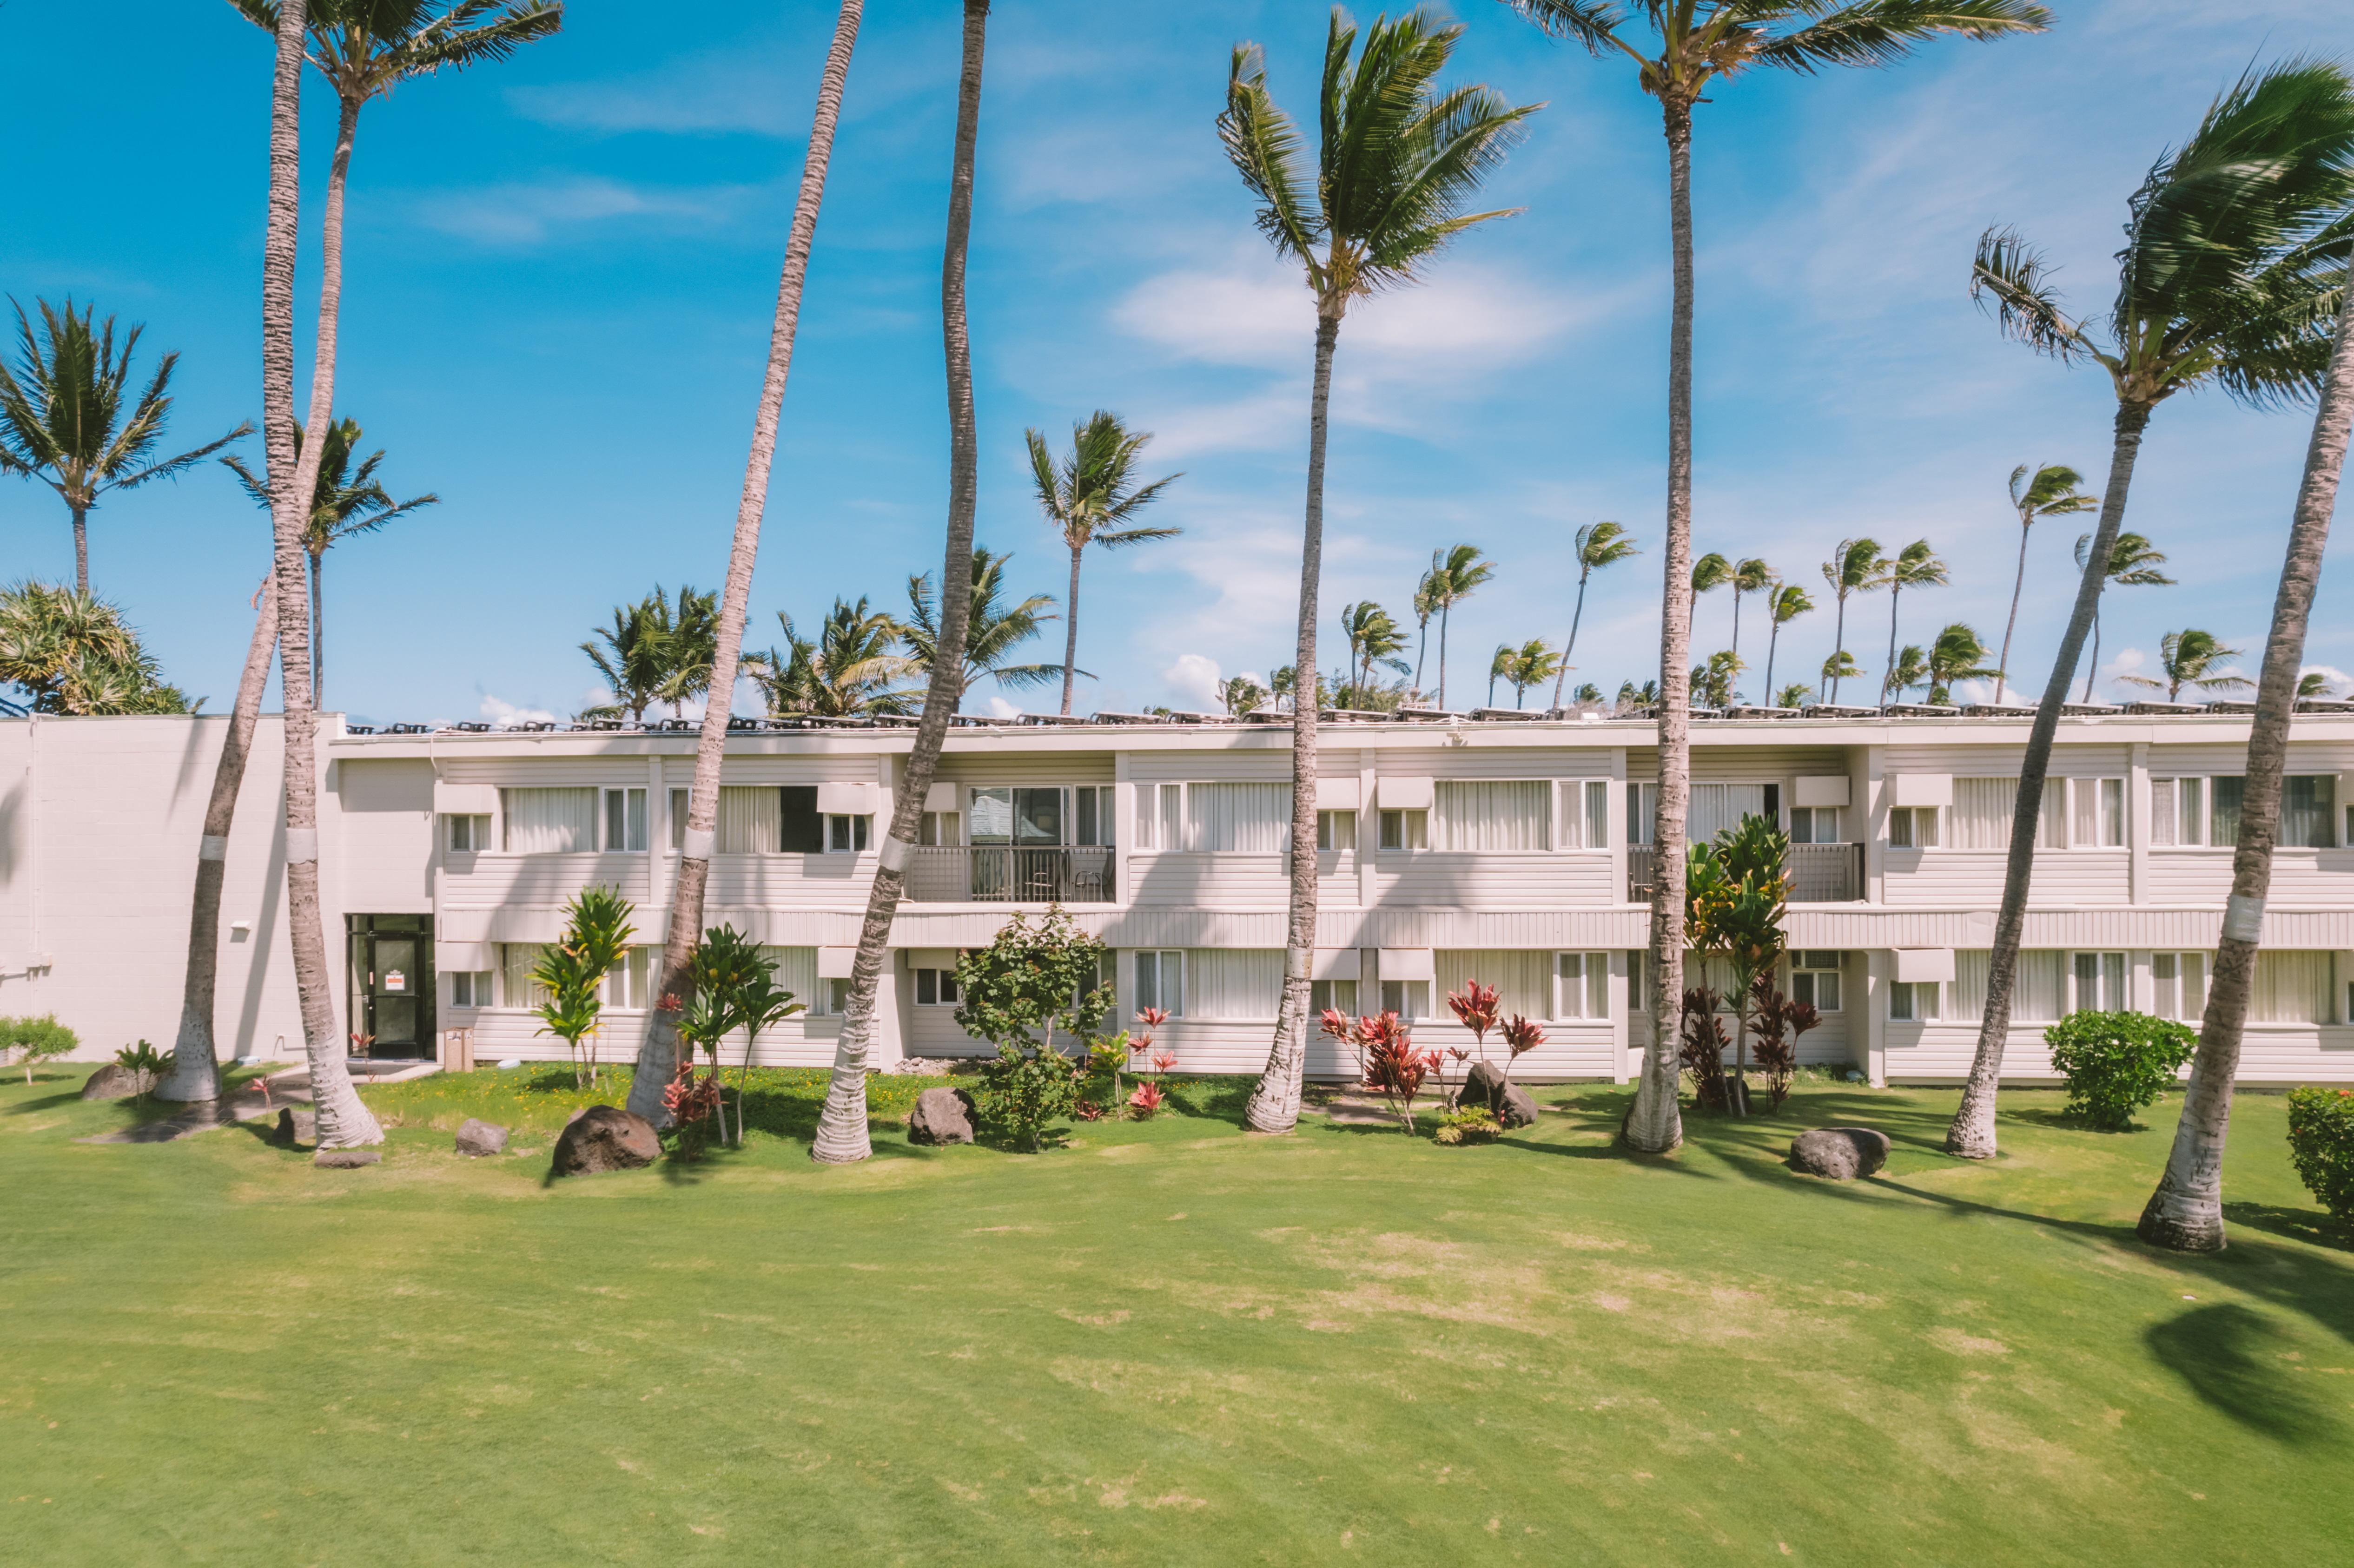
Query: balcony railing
x,y
1004,874
1819,873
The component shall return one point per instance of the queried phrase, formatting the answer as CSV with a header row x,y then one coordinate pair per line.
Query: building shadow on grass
x,y
2231,1357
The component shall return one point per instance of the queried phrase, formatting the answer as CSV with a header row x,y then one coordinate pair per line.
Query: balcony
x,y
1819,873
1003,874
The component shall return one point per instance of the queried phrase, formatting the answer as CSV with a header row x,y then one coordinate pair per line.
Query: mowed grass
x,y
1166,1342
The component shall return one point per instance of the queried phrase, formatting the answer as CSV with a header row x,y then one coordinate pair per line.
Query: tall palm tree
x,y
1532,665
1596,545
1840,666
1752,576
1784,604
2189,658
1396,165
2224,278
1455,574
852,668
2186,1211
842,1126
1855,567
1426,604
344,501
1682,48
1956,655
1709,573
1499,662
654,653
2036,493
1374,639
2133,563
1915,565
63,418
658,1051
993,631
1090,497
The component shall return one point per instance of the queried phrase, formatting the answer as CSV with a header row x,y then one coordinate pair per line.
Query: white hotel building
x,y
1509,849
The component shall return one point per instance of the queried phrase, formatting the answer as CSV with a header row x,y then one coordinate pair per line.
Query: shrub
x,y
1024,1090
1475,1125
36,1040
1700,1050
2117,1063
1018,992
2321,1145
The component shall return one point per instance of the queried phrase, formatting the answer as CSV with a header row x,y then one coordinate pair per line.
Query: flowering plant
x,y
1391,1064
1522,1035
1145,1101
1477,1007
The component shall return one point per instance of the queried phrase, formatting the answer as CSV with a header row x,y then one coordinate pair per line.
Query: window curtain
x,y
2035,995
551,822
1982,812
1717,808
2308,806
749,821
797,972
625,982
517,960
1493,817
1523,980
2291,987
2161,813
1240,818
1223,983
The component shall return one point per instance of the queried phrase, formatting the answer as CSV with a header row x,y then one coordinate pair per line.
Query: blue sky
x,y
560,271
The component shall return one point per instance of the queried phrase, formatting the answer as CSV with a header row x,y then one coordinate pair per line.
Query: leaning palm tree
x,y
1091,498
658,1052
2188,658
1752,576
69,416
1855,567
1426,604
1709,573
994,631
1374,639
1957,655
1697,43
2228,277
1596,545
2313,686
842,1125
2036,493
1396,165
2186,1212
1840,666
1453,576
1784,604
1499,663
1532,663
1914,567
2133,563
851,669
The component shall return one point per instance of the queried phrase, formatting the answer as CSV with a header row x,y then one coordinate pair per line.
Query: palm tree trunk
x,y
1274,1104
1972,1134
1889,676
1654,1126
658,1053
343,1119
330,308
1772,641
2093,669
1839,639
81,551
2186,1212
1444,610
1421,653
1575,617
1071,633
842,1126
2018,583
318,629
196,1067
1736,623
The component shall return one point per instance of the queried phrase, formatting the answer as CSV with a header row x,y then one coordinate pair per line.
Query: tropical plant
x,y
35,1040
2036,493
1909,669
1785,602
2133,563
2188,658
572,971
1522,1035
1596,545
1632,695
1530,664
1776,1023
1712,678
1392,1066
1426,604
1840,666
849,670
1587,694
2313,683
655,652
725,966
761,1003
1017,993
1699,42
1478,1008
1397,163
1454,575
1701,1042
64,419
1374,639
658,1060
2321,1146
2224,280
1956,655
1242,694
1472,1124
2115,1063
71,653
1709,573
1855,566
1752,576
1792,696
993,633
1914,567
1092,497
1740,894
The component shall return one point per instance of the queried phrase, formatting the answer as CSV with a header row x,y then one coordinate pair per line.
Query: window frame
x,y
1330,996
473,826
944,988
1589,987
2103,969
1408,1000
1807,972
1149,991
1910,994
1912,818
627,808
1413,823
1329,827
856,828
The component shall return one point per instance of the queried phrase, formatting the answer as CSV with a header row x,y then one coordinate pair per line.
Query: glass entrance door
x,y
391,995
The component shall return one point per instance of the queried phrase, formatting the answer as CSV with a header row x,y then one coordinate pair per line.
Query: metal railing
x,y
1819,873
1004,874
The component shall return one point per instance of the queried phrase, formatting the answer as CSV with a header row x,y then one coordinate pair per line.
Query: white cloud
x,y
528,214
1195,679
504,714
1000,708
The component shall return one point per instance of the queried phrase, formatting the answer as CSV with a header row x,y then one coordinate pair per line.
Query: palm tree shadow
x,y
2226,1353
2312,1226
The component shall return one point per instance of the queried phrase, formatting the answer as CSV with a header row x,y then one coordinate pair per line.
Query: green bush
x,y
2117,1063
1473,1125
2321,1145
36,1040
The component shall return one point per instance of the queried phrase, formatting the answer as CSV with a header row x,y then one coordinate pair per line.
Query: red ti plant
x,y
1336,1023
1392,1065
1145,1101
1777,1023
1522,1035
1478,1007
1148,1019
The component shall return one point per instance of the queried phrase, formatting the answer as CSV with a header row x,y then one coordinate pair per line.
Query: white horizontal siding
x,y
1440,761
1973,878
982,769
493,881
2269,1055
1444,879
1231,881
1250,765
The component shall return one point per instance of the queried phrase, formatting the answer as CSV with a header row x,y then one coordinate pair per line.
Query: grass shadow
x,y
2227,1355
2314,1227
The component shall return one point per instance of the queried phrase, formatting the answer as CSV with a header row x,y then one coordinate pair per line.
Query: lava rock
x,y
117,1082
296,1127
478,1138
941,1115
1838,1153
600,1139
345,1159
1485,1088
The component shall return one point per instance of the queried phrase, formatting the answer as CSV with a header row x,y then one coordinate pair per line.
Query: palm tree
x,y
2036,493
1089,497
849,670
1712,678
1913,567
2221,281
344,501
1499,662
2186,1211
842,1125
1785,602
1596,545
71,653
994,631
1699,41
1709,573
1426,604
1396,165
1532,663
1956,655
2133,563
1453,575
2313,686
655,653
1748,576
1374,639
2189,659
1241,695
62,418
1855,566
1792,696
1840,666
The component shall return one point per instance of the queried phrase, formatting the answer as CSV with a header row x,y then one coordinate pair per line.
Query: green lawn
x,y
1164,1342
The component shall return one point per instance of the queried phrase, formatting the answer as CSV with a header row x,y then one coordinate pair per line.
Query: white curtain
x,y
1224,982
2161,813
750,819
797,972
1240,818
2035,993
1495,816
1523,980
551,822
1717,808
2291,987
517,960
625,982
1982,812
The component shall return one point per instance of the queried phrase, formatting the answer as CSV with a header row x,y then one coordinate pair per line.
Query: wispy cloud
x,y
531,213
504,714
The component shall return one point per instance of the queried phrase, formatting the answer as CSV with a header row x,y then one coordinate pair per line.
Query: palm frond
x,y
1593,24
1266,148
2012,273
1882,32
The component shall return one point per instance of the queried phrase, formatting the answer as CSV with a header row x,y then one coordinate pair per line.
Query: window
x,y
2181,983
1913,1000
1815,825
1494,817
2096,819
800,830
941,828
2293,988
1719,808
625,982
469,834
2223,809
1912,827
2036,990
1161,982
470,988
1815,979
2309,811
1410,1000
1983,809
1523,979
1336,830
1238,819
797,972
625,820
678,804
835,996
935,988
1581,985
1584,814
1639,1001
846,835
1642,807
550,821
1093,814
749,821
1406,829
1160,816
2100,982
1340,995
1226,982
517,960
